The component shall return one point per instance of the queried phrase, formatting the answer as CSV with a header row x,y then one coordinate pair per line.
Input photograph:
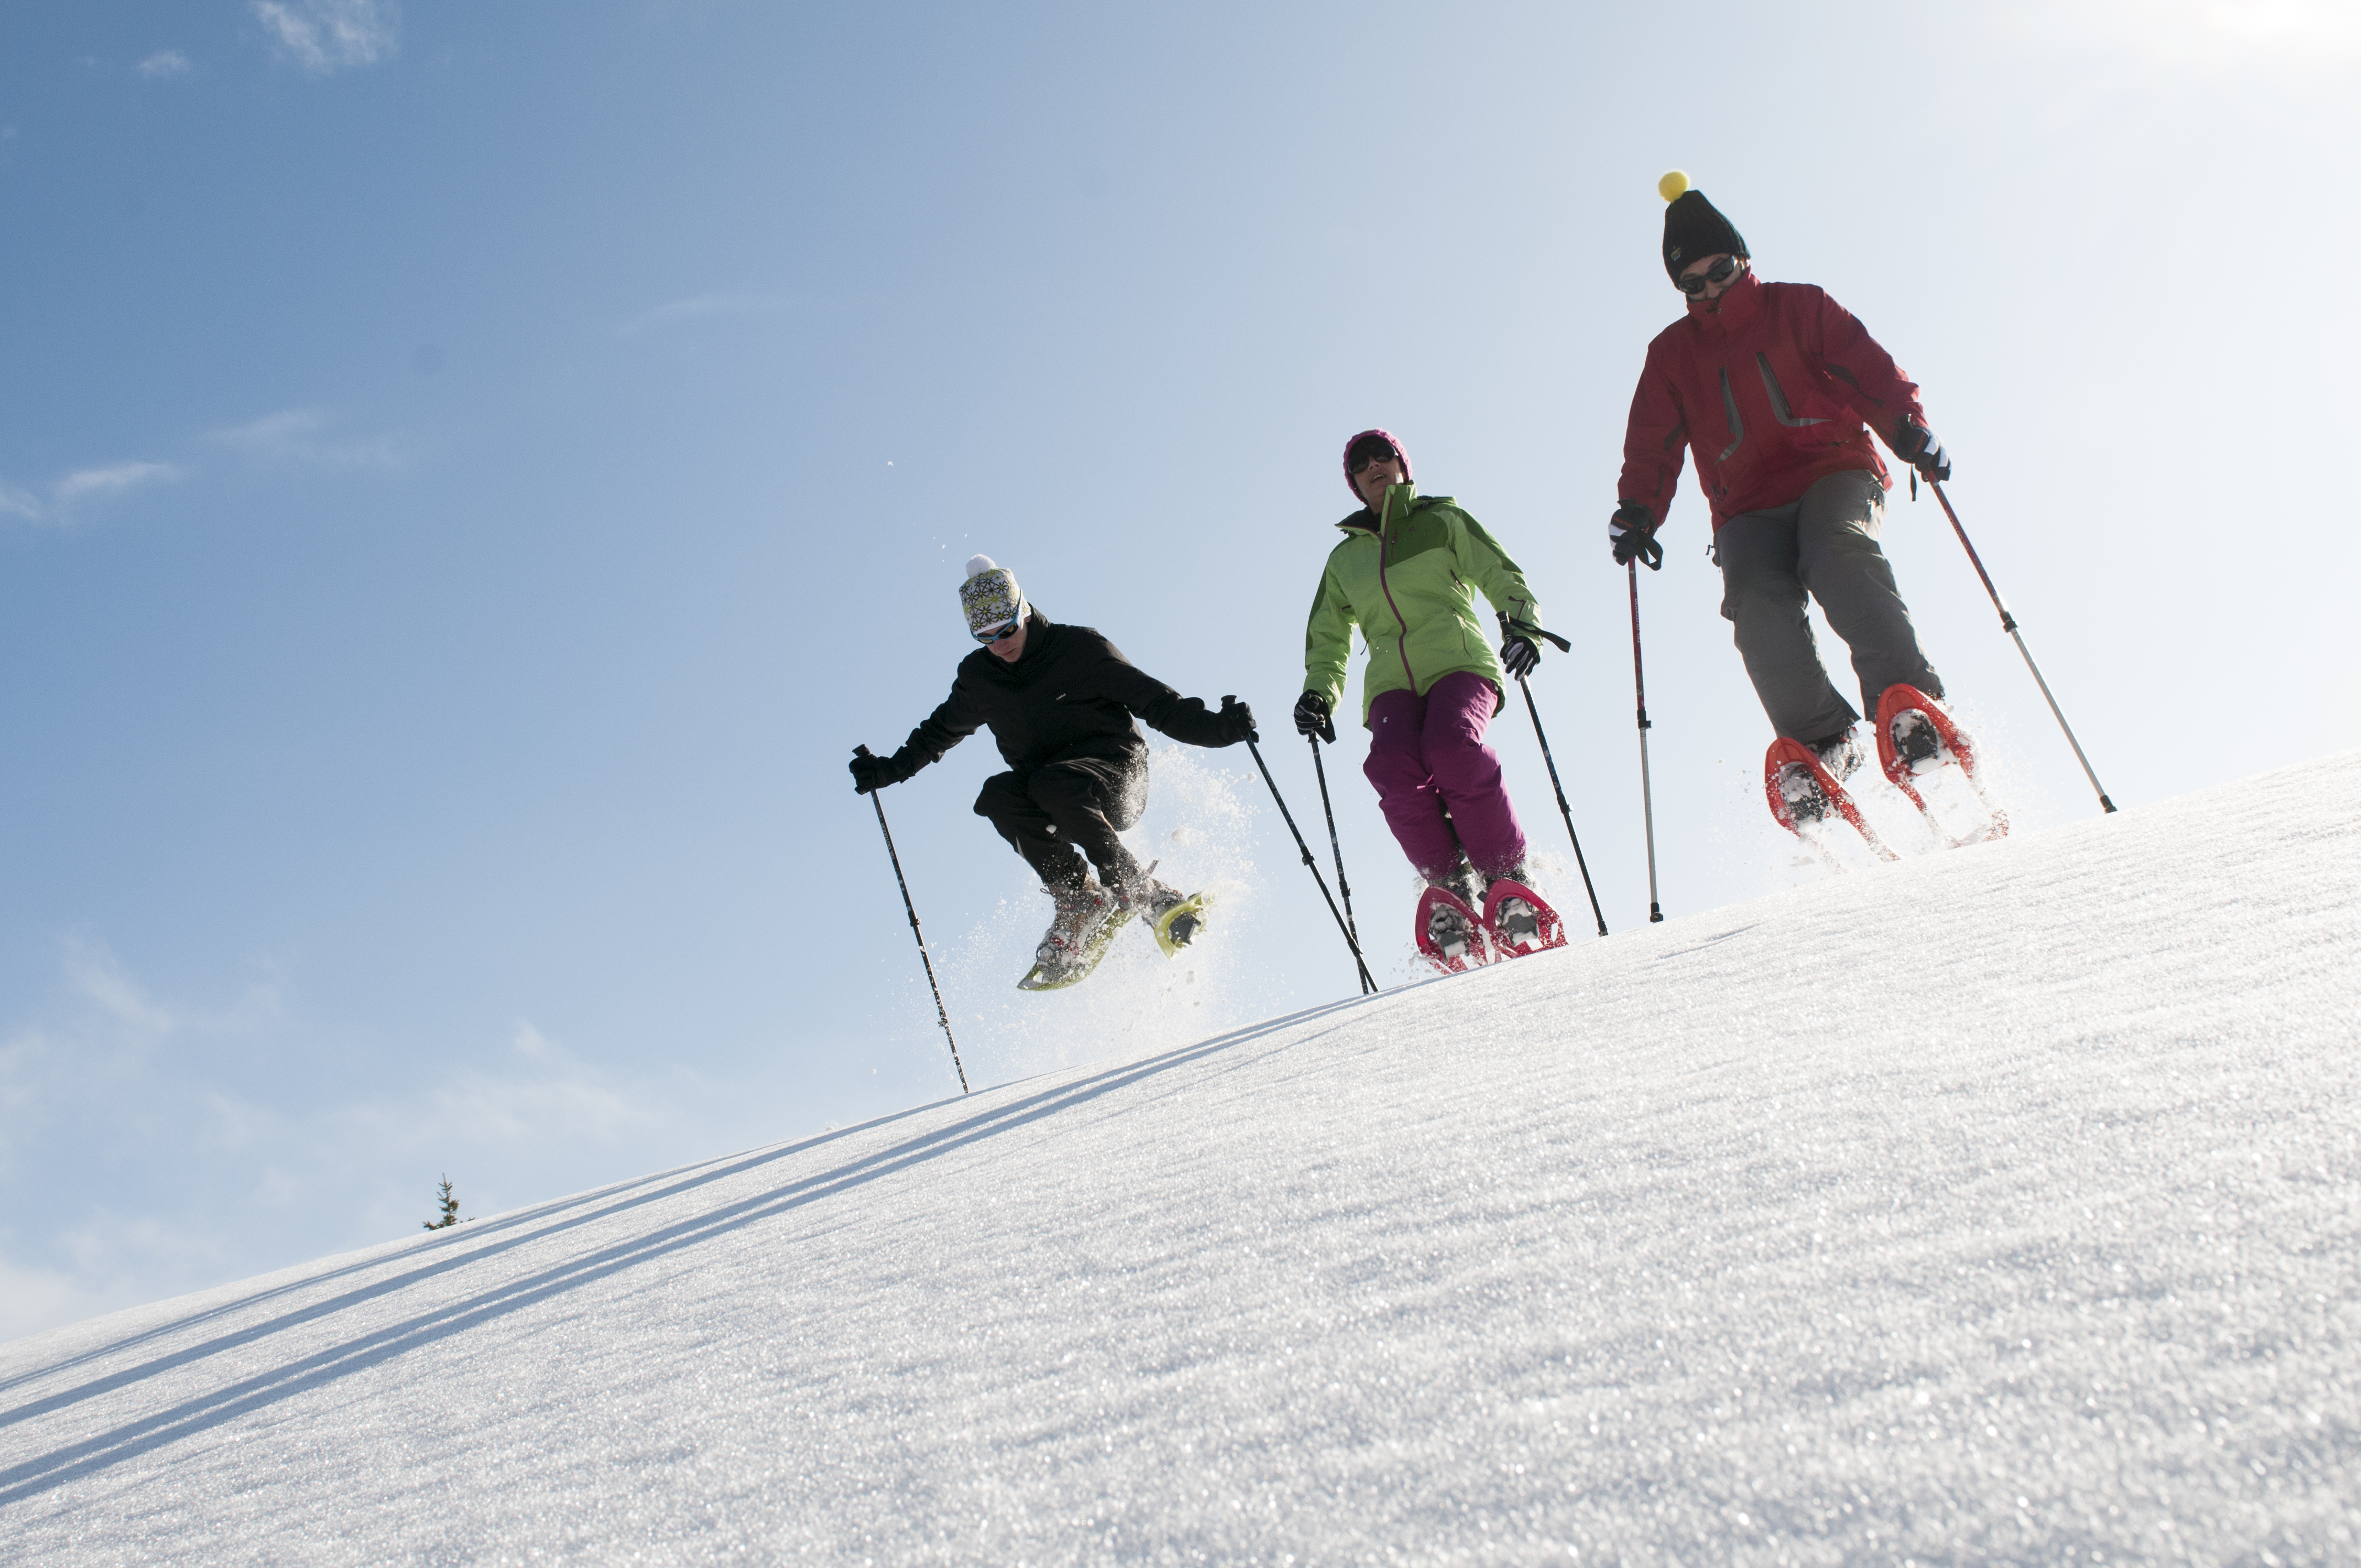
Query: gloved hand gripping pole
x,y
941,1014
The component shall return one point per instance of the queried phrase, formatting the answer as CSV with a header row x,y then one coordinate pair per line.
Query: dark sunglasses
x,y
1372,454
1720,272
995,633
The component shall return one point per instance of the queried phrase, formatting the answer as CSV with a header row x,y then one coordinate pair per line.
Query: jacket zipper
x,y
1402,644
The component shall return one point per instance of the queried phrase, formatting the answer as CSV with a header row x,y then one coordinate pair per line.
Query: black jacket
x,y
1072,696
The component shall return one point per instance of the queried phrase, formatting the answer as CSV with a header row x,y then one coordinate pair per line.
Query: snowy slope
x,y
2000,1205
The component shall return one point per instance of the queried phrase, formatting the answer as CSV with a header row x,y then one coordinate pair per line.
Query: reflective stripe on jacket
x,y
1408,583
1769,385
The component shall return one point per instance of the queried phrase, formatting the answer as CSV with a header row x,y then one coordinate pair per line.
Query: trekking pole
x,y
1563,809
1367,985
1344,890
1647,796
940,1012
2008,624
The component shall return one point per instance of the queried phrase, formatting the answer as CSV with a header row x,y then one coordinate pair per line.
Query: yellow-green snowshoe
x,y
1180,925
1042,977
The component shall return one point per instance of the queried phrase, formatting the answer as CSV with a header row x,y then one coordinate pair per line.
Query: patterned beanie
x,y
990,596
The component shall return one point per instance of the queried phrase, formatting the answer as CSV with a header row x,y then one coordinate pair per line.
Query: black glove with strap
x,y
1520,656
875,773
1311,717
1632,532
1917,445
1237,720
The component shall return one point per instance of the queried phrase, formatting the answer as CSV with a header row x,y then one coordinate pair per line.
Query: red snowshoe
x,y
1805,799
1516,932
1929,758
1451,935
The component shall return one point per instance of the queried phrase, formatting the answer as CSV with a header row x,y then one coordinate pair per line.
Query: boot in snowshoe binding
x,y
1520,921
1175,917
1925,753
1804,798
1087,919
1450,933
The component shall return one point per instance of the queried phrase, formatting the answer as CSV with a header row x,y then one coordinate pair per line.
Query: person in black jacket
x,y
1061,702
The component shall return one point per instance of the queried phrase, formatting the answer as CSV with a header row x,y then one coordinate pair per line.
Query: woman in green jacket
x,y
1406,574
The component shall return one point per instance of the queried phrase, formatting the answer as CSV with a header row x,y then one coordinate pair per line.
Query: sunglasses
x,y
998,633
1720,272
1369,455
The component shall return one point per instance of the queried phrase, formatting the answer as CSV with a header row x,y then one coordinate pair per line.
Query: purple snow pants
x,y
1428,752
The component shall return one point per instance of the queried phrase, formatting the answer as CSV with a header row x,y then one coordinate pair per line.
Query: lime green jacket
x,y
1408,582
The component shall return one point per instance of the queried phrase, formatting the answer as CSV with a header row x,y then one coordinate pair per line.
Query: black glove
x,y
1237,722
1519,656
1917,445
875,773
1311,717
1632,532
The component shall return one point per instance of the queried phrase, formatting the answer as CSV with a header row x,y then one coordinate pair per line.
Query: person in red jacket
x,y
1775,388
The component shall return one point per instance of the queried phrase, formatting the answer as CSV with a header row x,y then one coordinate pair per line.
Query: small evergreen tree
x,y
450,1205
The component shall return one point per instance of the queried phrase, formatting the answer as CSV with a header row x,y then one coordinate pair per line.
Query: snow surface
x,y
1995,1206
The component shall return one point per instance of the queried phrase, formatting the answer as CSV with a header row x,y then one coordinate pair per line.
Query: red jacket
x,y
1771,385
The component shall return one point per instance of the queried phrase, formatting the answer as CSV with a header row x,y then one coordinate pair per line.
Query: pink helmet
x,y
1385,435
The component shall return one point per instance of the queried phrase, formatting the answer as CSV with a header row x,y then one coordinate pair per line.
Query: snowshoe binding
x,y
1933,763
1806,800
1087,919
1451,935
1520,921
1176,917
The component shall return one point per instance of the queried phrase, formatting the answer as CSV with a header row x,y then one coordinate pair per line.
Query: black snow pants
x,y
1045,812
1824,543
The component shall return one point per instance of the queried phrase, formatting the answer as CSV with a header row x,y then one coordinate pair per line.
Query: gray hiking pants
x,y
1824,544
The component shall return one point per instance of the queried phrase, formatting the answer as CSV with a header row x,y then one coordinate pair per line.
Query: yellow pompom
x,y
1672,184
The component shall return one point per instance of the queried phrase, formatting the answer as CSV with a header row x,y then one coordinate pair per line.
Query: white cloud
x,y
15,502
292,435
535,1044
325,36
705,305
96,976
163,63
86,484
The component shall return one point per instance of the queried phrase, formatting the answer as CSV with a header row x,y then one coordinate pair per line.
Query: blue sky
x,y
468,475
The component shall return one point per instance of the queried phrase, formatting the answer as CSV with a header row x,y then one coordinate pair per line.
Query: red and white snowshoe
x,y
1513,932
1805,799
1451,935
1932,761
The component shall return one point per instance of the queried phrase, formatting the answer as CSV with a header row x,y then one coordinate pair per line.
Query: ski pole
x,y
2008,624
1563,809
1344,890
941,1014
1647,796
1367,985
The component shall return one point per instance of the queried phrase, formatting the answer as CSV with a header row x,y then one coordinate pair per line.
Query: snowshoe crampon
x,y
1450,933
1178,926
1515,932
1056,973
1807,801
1933,763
